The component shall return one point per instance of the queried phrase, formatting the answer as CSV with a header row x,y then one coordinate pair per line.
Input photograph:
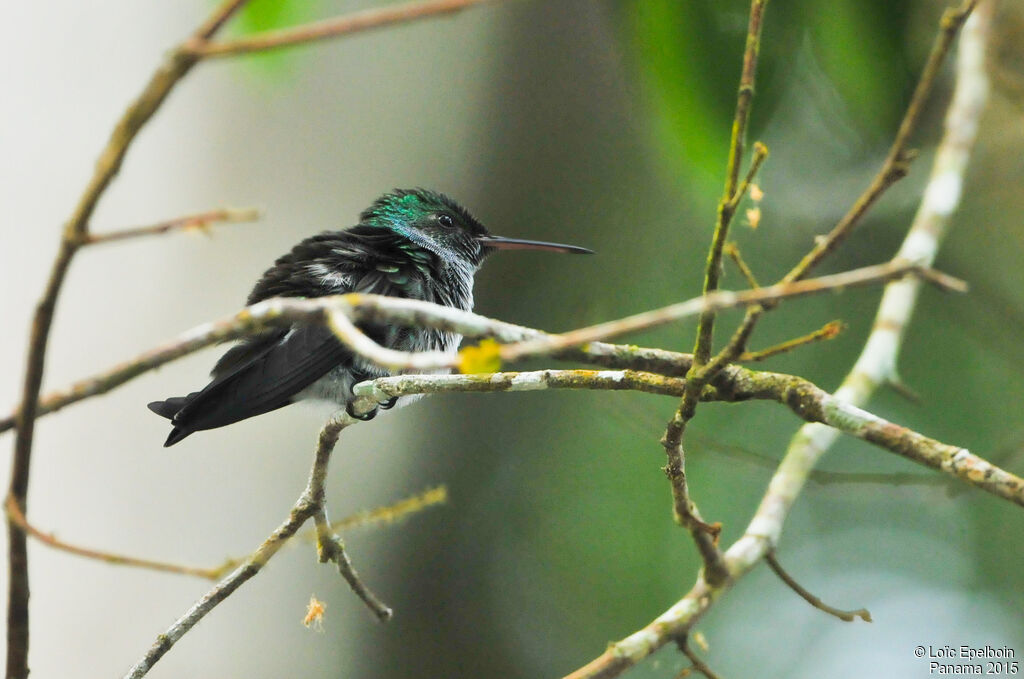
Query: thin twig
x,y
828,331
760,155
176,66
331,547
697,665
846,616
332,28
200,221
15,515
394,512
386,514
727,205
733,251
722,299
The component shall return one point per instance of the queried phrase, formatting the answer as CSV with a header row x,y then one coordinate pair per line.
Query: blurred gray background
x,y
598,123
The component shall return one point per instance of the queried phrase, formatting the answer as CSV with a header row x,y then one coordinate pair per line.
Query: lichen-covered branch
x,y
523,342
730,197
808,401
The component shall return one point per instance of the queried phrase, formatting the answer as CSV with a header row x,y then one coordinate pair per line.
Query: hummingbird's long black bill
x,y
500,243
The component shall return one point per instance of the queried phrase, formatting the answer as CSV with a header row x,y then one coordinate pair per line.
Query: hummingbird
x,y
411,243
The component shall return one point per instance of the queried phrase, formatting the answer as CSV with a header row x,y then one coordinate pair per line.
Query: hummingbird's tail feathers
x,y
168,407
176,435
274,371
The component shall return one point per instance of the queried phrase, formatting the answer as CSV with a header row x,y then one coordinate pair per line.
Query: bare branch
x,y
200,221
828,331
332,28
394,512
760,155
845,616
684,510
893,169
734,384
385,514
733,251
15,516
722,299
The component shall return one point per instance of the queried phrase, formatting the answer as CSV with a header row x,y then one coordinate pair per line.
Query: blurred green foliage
x,y
266,15
690,55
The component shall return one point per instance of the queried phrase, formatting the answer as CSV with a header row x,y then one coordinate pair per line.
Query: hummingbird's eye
x,y
446,221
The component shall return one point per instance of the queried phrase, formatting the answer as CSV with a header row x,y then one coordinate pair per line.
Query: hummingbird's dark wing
x,y
266,372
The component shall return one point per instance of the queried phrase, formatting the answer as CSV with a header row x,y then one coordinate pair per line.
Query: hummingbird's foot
x,y
389,404
365,417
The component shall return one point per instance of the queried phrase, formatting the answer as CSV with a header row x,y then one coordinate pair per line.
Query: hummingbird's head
x,y
435,222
